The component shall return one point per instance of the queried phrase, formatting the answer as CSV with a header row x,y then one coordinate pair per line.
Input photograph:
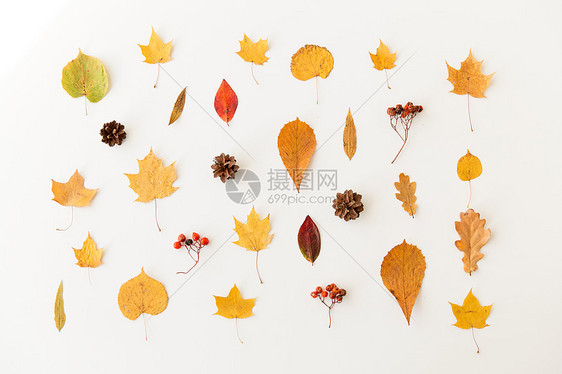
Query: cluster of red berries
x,y
332,291
193,246
404,111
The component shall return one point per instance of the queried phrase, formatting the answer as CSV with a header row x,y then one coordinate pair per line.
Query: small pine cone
x,y
348,205
113,133
224,167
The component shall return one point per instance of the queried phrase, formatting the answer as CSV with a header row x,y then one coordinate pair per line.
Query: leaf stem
x,y
316,89
252,70
89,279
257,269
157,75
71,220
144,322
386,74
237,334
469,194
156,216
85,105
473,338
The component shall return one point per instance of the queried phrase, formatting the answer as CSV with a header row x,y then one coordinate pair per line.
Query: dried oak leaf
x,y
89,255
469,78
296,143
234,307
473,238
383,59
349,136
469,167
402,272
178,107
142,294
406,194
471,314
156,52
85,76
60,316
309,240
226,102
253,52
153,181
73,192
254,234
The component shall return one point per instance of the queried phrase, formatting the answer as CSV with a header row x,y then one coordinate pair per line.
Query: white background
x,y
45,135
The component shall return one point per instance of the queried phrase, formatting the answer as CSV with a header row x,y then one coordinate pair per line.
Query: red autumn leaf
x,y
226,102
309,240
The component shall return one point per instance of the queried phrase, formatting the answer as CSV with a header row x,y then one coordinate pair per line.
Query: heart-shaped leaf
x,y
309,240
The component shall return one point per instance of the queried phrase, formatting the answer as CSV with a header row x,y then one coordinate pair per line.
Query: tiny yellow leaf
x,y
60,317
73,192
383,59
156,51
469,167
349,136
253,52
234,306
142,294
471,314
89,255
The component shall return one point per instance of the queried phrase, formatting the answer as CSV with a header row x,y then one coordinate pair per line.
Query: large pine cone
x,y
113,133
348,205
224,167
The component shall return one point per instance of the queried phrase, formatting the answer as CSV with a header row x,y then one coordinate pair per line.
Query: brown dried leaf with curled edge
x,y
178,107
406,194
349,136
402,272
473,238
296,143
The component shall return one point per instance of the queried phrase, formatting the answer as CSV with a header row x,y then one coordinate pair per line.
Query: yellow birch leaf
x,y
253,52
142,294
471,314
234,306
349,136
311,61
296,143
60,317
473,238
73,192
402,272
469,167
156,51
383,59
89,255
406,193
469,78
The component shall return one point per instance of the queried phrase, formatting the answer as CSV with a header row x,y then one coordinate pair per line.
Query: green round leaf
x,y
85,75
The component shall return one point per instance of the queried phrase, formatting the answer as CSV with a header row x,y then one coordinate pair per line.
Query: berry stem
x,y
473,338
252,70
237,333
386,74
156,216
401,148
330,315
157,75
257,269
71,220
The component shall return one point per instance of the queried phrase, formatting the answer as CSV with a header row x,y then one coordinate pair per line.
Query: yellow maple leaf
x,y
253,52
153,181
312,61
234,306
89,255
406,193
73,192
156,51
469,78
383,59
254,234
471,315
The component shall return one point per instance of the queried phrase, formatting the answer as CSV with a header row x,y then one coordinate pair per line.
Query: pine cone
x,y
224,167
113,133
348,205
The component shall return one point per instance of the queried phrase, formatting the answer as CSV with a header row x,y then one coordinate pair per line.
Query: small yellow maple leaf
x,y
234,306
73,192
383,59
153,181
471,314
254,234
89,255
253,52
156,51
469,78
142,294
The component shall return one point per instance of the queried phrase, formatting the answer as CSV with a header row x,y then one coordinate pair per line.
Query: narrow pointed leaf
x,y
178,107
60,317
309,240
349,136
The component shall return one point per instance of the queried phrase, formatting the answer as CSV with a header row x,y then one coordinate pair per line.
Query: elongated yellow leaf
x,y
178,107
60,317
349,136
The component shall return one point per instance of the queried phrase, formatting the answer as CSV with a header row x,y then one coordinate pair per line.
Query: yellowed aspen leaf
x,y
312,61
254,234
406,193
89,255
142,294
296,143
469,78
234,307
402,272
469,167
178,107
73,192
156,52
349,136
60,316
473,238
383,59
471,315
